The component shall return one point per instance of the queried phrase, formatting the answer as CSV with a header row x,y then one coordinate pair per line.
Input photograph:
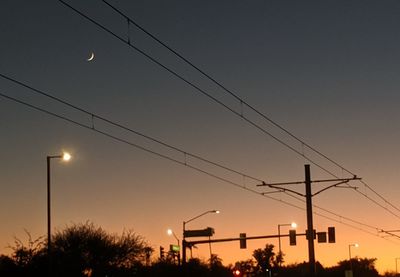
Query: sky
x,y
326,71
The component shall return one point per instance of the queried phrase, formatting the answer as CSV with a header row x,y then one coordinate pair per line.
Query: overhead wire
x,y
185,163
104,133
243,102
240,114
119,125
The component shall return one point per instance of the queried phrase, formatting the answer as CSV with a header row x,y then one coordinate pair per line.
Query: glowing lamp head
x,y
356,245
66,156
169,232
216,211
293,225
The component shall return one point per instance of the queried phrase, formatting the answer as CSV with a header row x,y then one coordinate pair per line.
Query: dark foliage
x,y
87,250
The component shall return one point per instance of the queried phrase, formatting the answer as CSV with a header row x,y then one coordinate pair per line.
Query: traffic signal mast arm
x,y
191,243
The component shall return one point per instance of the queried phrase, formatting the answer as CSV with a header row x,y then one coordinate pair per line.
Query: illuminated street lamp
x,y
65,157
184,225
350,245
172,233
292,225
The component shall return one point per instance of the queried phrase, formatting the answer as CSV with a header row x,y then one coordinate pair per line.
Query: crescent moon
x,y
91,57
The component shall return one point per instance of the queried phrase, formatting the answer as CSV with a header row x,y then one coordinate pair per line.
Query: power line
x,y
191,84
119,125
107,134
335,214
119,139
170,159
242,102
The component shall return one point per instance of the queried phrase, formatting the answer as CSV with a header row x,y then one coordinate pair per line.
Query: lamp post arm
x,y
196,217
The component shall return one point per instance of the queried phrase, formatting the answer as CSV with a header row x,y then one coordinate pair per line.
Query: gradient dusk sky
x,y
327,71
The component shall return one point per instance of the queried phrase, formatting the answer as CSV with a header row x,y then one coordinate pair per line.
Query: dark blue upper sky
x,y
326,70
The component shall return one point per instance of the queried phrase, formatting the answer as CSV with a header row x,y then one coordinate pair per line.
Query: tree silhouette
x,y
84,249
246,266
364,267
265,258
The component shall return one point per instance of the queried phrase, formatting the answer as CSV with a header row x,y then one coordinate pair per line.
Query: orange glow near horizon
x,y
307,83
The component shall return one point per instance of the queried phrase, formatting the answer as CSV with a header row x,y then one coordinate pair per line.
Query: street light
x,y
350,245
65,157
395,260
172,233
293,225
184,226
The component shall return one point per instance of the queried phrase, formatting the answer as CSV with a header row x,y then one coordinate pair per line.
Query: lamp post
x,y
184,226
66,157
172,233
350,245
395,260
293,225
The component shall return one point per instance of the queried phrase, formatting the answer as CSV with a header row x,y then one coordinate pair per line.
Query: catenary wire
x,y
243,102
104,133
32,89
186,153
128,42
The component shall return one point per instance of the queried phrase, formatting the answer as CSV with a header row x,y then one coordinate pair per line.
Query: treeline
x,y
88,250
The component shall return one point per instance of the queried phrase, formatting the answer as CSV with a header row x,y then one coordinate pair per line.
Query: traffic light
x,y
331,235
161,252
292,237
321,236
243,243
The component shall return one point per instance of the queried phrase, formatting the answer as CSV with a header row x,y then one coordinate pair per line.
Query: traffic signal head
x,y
243,243
292,237
331,235
321,236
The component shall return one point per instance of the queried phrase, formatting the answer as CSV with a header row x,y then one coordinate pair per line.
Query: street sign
x,y
174,248
208,232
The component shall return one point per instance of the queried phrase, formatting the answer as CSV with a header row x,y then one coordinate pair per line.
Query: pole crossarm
x,y
337,185
286,190
263,184
340,181
391,233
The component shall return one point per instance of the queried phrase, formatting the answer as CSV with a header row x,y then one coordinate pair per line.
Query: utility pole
x,y
308,196
184,245
310,227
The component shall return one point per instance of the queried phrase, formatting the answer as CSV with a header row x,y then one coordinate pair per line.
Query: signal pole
x,y
308,196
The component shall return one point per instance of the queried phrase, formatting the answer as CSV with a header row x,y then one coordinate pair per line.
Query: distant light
x,y
294,225
216,211
356,245
236,272
66,156
169,232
